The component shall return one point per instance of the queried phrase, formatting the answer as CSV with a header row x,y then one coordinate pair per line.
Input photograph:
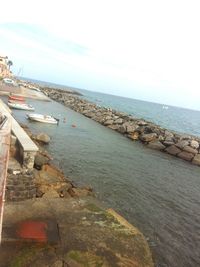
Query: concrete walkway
x,y
71,232
28,147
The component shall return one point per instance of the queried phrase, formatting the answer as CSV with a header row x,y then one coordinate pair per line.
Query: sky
x,y
148,50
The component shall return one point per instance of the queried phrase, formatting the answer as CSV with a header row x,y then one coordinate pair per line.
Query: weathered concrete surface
x,y
69,232
28,148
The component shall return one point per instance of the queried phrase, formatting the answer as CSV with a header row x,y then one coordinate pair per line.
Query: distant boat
x,y
20,106
43,118
165,107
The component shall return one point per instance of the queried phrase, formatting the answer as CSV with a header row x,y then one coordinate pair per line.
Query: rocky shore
x,y
186,147
44,180
49,222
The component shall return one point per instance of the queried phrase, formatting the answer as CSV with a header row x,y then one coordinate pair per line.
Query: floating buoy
x,y
73,125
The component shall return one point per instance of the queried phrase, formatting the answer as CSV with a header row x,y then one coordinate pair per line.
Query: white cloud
x,y
151,44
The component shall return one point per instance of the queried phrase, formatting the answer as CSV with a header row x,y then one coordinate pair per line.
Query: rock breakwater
x,y
186,147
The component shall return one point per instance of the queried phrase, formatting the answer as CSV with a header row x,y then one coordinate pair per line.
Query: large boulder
x,y
85,112
196,160
134,136
40,160
182,143
173,150
108,122
118,121
107,118
130,127
43,138
194,144
148,130
185,155
142,123
185,137
189,149
148,137
122,129
168,135
114,127
168,143
156,145
161,138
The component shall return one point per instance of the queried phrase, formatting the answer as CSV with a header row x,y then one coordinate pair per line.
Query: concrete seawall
x,y
27,148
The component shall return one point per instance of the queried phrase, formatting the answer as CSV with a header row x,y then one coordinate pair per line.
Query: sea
x,y
154,191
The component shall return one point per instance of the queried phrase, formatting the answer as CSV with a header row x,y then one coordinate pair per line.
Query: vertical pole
x,y
5,130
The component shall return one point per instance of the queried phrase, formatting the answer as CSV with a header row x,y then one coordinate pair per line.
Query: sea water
x,y
154,191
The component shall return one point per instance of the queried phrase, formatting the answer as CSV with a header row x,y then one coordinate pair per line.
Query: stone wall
x,y
153,136
20,187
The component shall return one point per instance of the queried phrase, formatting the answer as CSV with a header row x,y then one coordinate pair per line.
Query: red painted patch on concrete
x,y
34,230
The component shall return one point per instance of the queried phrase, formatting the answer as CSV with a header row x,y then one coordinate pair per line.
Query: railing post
x,y
5,130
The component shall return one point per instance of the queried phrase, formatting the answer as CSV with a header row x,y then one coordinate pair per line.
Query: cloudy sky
x,y
143,49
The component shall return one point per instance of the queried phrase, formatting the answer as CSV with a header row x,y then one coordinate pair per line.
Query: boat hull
x,y
17,98
42,118
20,107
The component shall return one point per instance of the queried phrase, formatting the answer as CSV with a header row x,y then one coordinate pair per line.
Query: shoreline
x,y
153,136
47,177
49,221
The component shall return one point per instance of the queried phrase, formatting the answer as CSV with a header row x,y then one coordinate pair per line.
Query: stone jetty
x,y
153,136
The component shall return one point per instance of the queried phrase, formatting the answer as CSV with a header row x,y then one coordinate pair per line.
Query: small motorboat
x,y
42,118
23,106
16,98
165,107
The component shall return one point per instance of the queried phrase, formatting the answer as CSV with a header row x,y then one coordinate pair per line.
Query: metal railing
x,y
5,130
3,121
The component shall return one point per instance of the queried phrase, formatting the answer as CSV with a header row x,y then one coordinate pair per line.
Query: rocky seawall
x,y
44,180
186,147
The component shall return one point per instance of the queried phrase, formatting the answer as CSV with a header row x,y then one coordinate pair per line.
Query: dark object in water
x,y
58,120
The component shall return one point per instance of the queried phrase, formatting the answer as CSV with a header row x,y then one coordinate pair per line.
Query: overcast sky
x,y
146,50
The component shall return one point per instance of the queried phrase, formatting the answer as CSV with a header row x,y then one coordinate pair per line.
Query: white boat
x,y
23,106
165,107
42,118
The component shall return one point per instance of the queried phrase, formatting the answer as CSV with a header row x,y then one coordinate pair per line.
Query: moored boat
x,y
42,118
20,106
15,97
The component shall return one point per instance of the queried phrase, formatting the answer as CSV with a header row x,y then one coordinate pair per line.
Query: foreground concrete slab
x,y
28,148
75,232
